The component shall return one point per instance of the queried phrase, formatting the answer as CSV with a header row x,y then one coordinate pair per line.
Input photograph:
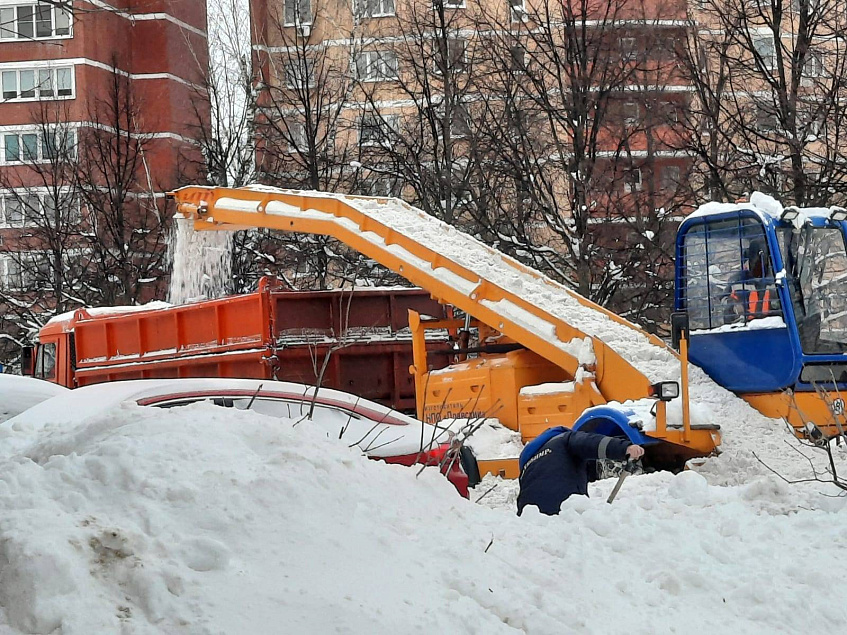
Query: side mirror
x,y
679,328
28,361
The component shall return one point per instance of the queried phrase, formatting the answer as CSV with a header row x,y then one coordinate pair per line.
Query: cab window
x,y
726,275
45,363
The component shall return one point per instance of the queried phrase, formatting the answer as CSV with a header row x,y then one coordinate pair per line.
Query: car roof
x,y
81,403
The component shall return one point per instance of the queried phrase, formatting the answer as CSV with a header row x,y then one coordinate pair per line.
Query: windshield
x,y
816,269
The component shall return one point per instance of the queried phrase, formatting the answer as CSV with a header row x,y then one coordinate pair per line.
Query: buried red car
x,y
380,432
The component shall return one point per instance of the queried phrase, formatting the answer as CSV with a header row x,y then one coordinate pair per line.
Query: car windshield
x,y
816,270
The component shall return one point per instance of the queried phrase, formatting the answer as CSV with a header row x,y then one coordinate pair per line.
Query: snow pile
x,y
489,439
19,393
201,263
210,520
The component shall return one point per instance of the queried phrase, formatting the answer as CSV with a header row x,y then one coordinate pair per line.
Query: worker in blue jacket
x,y
555,465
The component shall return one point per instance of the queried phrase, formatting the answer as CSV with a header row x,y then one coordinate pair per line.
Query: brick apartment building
x,y
83,82
391,64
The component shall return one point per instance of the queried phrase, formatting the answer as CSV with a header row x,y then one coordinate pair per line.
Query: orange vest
x,y
753,300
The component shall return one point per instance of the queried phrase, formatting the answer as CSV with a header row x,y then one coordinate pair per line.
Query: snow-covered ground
x,y
210,520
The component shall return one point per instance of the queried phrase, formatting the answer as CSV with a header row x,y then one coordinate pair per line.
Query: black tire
x,y
469,465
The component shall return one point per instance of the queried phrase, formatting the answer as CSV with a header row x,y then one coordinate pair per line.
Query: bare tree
x,y
770,109
417,143
125,243
41,270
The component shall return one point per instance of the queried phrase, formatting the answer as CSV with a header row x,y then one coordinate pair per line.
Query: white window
x,y
632,182
375,129
297,134
670,177
460,126
517,56
33,208
456,61
517,10
37,83
298,12
813,64
380,186
374,8
300,73
25,270
765,48
631,113
35,147
454,4
766,119
34,22
375,66
627,47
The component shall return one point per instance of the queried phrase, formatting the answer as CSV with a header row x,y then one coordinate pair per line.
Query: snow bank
x,y
19,393
211,520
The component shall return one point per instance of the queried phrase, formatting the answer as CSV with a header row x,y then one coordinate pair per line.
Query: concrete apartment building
x,y
59,66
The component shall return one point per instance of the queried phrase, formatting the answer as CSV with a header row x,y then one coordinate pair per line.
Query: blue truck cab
x,y
765,290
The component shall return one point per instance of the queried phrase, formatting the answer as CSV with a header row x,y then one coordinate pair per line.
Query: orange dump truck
x,y
271,333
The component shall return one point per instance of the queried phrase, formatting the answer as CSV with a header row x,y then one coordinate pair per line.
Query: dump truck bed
x,y
274,334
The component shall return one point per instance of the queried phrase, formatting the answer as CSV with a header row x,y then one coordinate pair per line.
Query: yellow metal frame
x,y
346,219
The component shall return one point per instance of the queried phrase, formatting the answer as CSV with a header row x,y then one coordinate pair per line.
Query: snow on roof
x,y
155,305
765,206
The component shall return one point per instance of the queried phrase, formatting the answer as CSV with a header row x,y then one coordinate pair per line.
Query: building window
x,y
25,270
37,83
300,73
460,126
297,137
35,147
813,65
454,4
631,113
34,22
671,111
670,177
298,12
765,48
374,8
766,119
517,10
632,180
376,66
31,209
456,57
375,129
517,57
627,46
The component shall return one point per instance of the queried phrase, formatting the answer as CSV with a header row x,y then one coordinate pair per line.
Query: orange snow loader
x,y
543,355
271,333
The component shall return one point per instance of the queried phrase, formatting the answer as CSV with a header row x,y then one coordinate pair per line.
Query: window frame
x,y
297,20
758,39
40,156
381,13
378,63
630,184
15,32
38,72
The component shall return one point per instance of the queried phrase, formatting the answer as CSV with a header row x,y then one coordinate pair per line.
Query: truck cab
x,y
53,358
765,291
